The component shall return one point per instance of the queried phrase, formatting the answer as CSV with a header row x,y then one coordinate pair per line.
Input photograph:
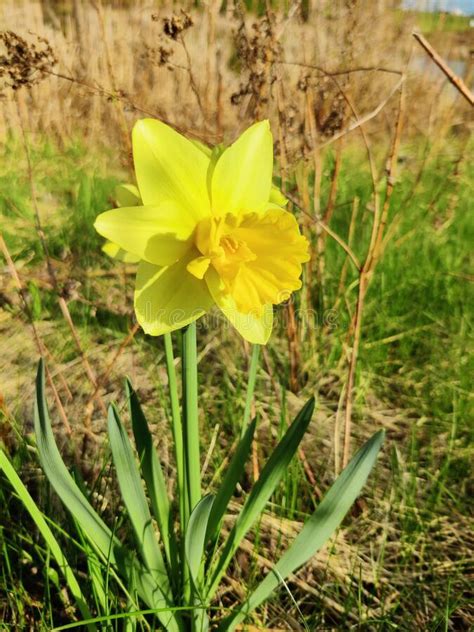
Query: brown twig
x,y
457,82
366,274
364,119
337,73
292,323
350,237
391,176
334,182
351,254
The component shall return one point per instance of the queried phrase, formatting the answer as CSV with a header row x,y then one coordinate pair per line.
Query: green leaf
x,y
194,544
152,475
196,534
95,568
136,502
232,477
97,532
317,530
54,546
262,490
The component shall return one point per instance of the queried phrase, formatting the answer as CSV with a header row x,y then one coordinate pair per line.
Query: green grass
x,y
432,21
414,537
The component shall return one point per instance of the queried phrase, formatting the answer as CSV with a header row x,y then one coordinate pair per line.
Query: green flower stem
x,y
177,430
250,387
190,414
191,443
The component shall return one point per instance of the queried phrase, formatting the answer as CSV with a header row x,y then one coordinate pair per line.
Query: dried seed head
x,y
159,56
176,24
256,53
23,63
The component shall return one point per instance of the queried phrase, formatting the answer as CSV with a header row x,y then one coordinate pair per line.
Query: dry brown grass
x,y
227,68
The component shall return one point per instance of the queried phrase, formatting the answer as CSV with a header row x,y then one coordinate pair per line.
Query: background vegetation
x,y
368,131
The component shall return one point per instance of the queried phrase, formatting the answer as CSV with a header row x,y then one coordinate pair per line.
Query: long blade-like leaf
x,y
152,474
232,477
318,529
47,534
195,536
194,549
92,525
262,490
136,502
95,569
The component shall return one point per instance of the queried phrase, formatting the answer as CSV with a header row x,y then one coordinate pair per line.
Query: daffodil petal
x,y
277,197
114,251
159,234
242,177
255,329
127,195
169,298
169,166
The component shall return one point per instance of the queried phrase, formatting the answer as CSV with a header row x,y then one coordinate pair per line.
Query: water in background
x,y
453,6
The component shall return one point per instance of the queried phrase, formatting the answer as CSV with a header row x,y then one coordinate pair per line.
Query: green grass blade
x,y
232,477
318,529
47,534
97,532
262,490
135,501
152,475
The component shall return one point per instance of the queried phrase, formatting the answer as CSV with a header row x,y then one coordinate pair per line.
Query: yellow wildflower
x,y
209,230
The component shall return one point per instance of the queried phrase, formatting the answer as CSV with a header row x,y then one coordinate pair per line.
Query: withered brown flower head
x,y
176,24
23,63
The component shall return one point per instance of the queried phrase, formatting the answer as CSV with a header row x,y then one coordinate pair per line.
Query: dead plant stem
x,y
51,272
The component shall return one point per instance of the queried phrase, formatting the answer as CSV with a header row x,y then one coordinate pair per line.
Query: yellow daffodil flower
x,y
208,228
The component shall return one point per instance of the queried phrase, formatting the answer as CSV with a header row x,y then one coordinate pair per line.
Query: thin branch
x,y
364,119
457,82
326,228
366,273
337,73
120,96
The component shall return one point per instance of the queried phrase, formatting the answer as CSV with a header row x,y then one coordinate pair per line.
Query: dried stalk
x,y
457,82
366,274
292,325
